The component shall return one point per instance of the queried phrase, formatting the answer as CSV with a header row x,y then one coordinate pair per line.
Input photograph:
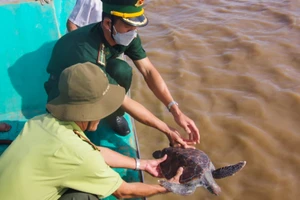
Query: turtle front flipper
x,y
182,189
228,170
157,154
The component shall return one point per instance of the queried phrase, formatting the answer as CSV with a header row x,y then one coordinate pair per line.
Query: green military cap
x,y
130,11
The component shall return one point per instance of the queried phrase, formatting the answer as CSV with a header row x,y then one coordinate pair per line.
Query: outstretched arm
x,y
141,114
131,190
117,160
161,91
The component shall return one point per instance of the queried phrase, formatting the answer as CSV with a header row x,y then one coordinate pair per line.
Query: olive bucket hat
x,y
130,11
85,94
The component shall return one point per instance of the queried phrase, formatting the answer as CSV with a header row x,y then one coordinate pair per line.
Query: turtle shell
x,y
193,161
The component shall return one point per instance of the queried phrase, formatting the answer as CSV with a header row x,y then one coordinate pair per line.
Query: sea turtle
x,y
198,170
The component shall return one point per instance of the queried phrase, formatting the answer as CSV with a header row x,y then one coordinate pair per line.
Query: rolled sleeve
x,y
86,12
135,50
94,176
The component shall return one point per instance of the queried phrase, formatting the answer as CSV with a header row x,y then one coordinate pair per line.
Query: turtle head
x,y
210,184
157,154
214,189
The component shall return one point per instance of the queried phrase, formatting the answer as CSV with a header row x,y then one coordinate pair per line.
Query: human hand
x,y
152,166
44,1
177,141
176,178
171,184
189,126
4,127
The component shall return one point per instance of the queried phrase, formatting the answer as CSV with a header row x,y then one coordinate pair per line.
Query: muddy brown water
x,y
234,68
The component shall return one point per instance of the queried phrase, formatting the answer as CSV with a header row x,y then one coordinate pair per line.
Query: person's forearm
x,y
143,115
117,160
161,91
133,190
159,87
154,80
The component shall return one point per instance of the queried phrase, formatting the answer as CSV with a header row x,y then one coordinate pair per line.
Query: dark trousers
x,y
77,195
120,71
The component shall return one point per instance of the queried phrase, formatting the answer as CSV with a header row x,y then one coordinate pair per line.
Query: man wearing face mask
x,y
103,44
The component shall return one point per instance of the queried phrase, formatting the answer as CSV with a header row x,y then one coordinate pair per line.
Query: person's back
x,y
28,148
67,160
77,49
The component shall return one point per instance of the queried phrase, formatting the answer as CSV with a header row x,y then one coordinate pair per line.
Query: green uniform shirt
x,y
47,158
84,45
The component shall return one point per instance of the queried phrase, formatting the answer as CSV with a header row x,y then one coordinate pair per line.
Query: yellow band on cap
x,y
127,15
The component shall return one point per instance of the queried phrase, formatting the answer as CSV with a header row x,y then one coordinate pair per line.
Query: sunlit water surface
x,y
234,68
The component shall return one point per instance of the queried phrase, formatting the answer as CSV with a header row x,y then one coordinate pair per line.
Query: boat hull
x,y
29,33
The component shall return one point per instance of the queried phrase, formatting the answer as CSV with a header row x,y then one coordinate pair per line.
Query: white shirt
x,y
86,12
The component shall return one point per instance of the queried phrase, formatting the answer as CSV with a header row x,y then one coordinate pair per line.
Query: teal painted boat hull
x,y
28,34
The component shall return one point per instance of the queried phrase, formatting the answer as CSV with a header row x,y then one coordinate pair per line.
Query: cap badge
x,y
139,3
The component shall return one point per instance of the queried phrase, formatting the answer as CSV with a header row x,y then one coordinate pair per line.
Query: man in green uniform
x,y
52,158
102,44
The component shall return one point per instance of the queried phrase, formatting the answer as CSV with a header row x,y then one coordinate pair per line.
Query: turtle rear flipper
x,y
228,170
182,189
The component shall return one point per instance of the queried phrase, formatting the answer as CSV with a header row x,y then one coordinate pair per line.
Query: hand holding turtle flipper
x,y
176,178
173,182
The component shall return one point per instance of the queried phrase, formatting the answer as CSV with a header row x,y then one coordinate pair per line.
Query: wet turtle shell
x,y
198,170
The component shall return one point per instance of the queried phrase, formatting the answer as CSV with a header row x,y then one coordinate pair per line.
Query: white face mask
x,y
124,38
